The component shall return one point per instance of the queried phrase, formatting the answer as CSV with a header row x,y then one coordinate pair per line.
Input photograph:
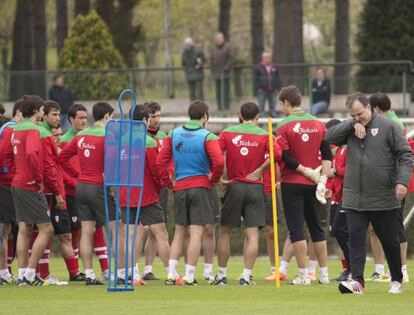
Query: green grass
x,y
155,298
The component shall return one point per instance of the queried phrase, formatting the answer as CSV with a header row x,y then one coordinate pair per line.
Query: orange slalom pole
x,y
274,204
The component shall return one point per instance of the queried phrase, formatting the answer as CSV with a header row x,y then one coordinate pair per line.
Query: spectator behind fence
x,y
221,60
63,97
321,92
267,83
2,109
193,62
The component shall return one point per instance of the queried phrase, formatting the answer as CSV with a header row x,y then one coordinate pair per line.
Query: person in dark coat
x,y
321,93
193,62
63,97
267,84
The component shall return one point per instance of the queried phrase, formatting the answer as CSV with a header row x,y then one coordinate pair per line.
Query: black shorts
x,y
7,213
269,209
300,205
164,201
194,206
401,230
148,215
31,207
91,203
333,212
243,200
60,218
73,212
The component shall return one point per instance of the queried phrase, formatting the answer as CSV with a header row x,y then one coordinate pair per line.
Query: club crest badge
x,y
374,131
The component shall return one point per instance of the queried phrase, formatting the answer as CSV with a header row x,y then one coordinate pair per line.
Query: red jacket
x,y
28,155
336,183
301,134
6,157
247,148
89,146
151,192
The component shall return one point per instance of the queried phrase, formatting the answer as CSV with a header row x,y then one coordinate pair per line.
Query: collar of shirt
x,y
193,124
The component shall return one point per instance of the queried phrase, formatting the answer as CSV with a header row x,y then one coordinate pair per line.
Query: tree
x,y
341,46
224,18
61,23
127,36
39,46
256,21
288,40
386,32
90,46
22,55
82,7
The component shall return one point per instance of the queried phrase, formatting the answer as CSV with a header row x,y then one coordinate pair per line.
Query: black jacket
x,y
322,92
62,96
266,81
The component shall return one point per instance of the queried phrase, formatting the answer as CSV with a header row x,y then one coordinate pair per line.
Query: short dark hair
x,y
153,107
31,104
3,119
57,76
291,94
141,111
357,96
100,109
50,106
2,109
74,108
197,109
249,111
380,100
17,106
332,122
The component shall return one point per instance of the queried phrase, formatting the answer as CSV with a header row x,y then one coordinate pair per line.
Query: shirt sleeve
x,y
404,155
69,151
51,176
338,135
151,159
215,156
281,139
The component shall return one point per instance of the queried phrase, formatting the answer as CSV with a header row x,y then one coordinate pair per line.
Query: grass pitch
x,y
155,298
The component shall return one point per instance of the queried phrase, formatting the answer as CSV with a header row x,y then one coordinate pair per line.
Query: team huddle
x,y
54,185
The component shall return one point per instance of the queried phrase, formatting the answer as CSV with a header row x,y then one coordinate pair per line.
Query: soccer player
x,y
151,214
158,135
300,136
245,146
381,103
57,135
198,164
55,195
89,146
7,212
78,119
29,201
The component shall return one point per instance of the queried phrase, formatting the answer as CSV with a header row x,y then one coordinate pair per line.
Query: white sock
x,y
246,274
30,273
272,269
379,268
147,269
312,265
404,267
121,273
90,273
189,272
222,273
22,272
172,267
303,273
323,271
284,267
137,276
208,268
5,274
404,271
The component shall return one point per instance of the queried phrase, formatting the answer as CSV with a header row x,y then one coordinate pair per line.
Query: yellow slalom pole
x,y
274,204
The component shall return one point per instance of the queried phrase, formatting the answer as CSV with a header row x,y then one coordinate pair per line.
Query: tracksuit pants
x,y
385,224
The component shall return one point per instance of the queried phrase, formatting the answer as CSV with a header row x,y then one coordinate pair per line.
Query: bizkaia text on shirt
x,y
304,131
238,141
